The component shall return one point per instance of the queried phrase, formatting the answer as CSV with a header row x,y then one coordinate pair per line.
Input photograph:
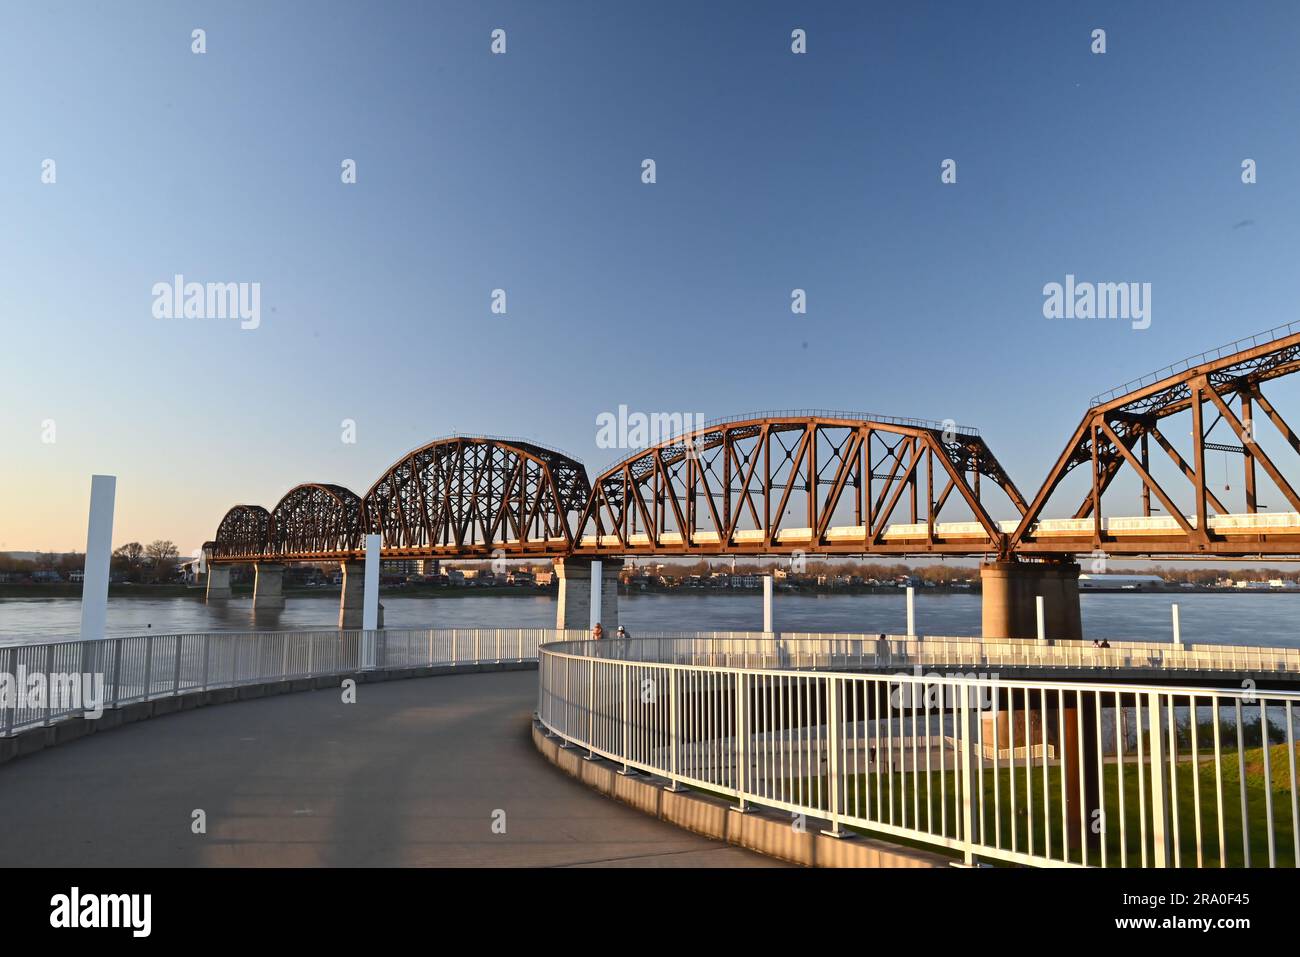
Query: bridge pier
x,y
1010,593
352,597
573,607
218,582
268,586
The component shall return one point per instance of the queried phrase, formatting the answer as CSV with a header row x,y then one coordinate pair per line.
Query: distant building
x,y
1121,583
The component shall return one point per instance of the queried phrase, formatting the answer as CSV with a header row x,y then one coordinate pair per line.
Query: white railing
x,y
143,667
799,650
139,667
1021,772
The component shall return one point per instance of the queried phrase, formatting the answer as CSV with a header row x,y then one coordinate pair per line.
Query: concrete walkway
x,y
409,775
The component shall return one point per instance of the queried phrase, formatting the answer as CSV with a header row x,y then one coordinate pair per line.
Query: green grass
x,y
917,797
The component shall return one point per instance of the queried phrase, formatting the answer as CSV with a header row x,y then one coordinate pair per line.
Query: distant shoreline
x,y
71,591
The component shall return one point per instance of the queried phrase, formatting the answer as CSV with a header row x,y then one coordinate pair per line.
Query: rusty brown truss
x,y
454,497
816,483
783,484
1125,429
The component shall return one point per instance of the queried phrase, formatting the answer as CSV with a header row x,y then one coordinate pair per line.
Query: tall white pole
x,y
1178,631
1042,619
597,571
767,604
99,551
370,594
911,612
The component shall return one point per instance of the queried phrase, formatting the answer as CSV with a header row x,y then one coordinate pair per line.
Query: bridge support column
x,y
268,586
610,570
352,595
218,582
573,608
573,605
1010,592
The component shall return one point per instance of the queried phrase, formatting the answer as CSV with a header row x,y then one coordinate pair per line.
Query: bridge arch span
x,y
316,519
245,530
477,495
814,482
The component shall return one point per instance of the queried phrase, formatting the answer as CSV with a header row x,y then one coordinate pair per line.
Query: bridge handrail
x,y
144,667
140,667
1230,348
842,746
811,650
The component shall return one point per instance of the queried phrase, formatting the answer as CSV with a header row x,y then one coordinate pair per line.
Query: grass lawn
x,y
914,804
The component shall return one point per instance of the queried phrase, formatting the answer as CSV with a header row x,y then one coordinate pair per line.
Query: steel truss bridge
x,y
817,482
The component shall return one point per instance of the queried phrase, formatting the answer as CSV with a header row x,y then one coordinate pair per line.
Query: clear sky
x,y
522,172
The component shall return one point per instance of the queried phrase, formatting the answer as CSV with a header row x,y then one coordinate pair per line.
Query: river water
x,y
1258,619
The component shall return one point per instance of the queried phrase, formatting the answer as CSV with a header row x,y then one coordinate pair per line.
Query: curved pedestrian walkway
x,y
413,774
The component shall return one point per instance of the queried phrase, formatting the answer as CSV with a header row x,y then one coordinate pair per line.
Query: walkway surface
x,y
410,775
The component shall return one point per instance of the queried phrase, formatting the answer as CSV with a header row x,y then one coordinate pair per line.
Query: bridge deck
x,y
409,775
1264,533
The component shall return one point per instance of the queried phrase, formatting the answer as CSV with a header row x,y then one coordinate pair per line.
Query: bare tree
x,y
162,555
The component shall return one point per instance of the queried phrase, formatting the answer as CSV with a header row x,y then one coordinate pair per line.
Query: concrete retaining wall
x,y
710,816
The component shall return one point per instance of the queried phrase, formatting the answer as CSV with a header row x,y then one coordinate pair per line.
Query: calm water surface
x,y
1232,619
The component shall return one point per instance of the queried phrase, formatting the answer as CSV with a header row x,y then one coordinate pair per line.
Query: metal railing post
x,y
117,669
740,689
1159,838
176,668
673,753
834,736
591,708
967,778
627,724
148,667
49,672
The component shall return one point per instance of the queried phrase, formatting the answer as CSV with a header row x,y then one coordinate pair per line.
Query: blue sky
x,y
522,172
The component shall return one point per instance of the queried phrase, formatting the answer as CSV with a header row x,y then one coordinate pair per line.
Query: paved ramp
x,y
409,775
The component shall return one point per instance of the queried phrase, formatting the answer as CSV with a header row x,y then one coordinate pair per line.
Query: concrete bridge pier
x,y
352,597
218,582
1010,599
573,609
268,586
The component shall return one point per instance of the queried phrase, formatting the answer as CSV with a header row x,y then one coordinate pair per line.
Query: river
x,y
1259,619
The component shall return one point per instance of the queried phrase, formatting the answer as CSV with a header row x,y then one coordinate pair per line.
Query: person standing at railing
x,y
622,633
597,632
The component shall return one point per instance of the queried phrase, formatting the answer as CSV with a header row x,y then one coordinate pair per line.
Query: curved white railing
x,y
76,676
1024,772
799,650
141,667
